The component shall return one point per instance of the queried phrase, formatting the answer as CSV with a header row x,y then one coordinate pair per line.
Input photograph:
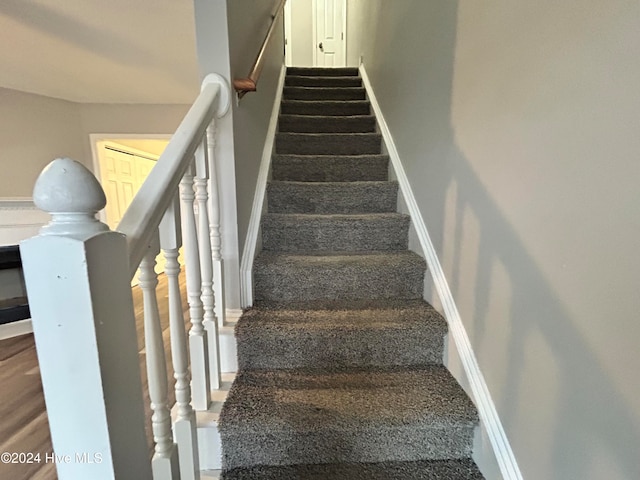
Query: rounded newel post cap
x,y
72,195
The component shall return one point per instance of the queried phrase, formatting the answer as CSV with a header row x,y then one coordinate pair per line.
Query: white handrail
x,y
145,212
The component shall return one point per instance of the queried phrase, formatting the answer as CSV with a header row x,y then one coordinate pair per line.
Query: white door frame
x,y
344,29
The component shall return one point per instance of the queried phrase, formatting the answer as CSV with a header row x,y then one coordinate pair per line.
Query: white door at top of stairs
x,y
329,25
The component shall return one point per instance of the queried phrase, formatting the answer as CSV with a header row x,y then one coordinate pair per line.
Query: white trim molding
x,y
19,219
251,240
486,408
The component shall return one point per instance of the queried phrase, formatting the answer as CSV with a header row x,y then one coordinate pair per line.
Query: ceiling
x,y
100,51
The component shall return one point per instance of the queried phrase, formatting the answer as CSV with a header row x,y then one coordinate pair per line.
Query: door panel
x,y
122,176
330,33
118,181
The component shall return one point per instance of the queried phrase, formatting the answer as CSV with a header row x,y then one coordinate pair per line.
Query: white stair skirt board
x,y
210,475
228,348
209,444
490,424
251,240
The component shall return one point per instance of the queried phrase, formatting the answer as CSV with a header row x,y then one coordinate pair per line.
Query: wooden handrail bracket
x,y
244,85
249,83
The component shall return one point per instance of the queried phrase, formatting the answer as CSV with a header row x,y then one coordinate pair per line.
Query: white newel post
x,y
214,228
198,347
77,278
206,264
184,426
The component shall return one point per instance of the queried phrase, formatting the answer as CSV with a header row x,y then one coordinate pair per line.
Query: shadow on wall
x,y
561,410
589,414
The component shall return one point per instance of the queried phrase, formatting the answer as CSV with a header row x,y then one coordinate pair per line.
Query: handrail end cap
x,y
224,101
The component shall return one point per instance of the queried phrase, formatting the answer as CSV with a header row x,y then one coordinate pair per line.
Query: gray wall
x,y
33,131
248,24
518,126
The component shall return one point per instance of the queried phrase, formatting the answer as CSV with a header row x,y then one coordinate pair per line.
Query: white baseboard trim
x,y
482,398
251,240
15,329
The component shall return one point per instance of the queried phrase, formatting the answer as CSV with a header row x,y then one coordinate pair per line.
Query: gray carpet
x,y
340,358
323,93
326,233
332,197
421,470
325,107
331,168
403,334
311,81
327,124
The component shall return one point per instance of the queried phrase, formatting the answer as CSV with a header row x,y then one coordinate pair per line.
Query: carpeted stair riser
x,y
326,124
287,417
302,81
374,275
322,72
411,335
332,197
338,233
328,143
331,107
419,470
321,93
328,168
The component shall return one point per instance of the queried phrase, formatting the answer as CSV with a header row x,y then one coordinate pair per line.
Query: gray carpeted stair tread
x,y
463,469
326,124
322,71
396,335
341,305
330,168
332,197
338,276
304,232
324,93
322,81
328,143
286,417
325,107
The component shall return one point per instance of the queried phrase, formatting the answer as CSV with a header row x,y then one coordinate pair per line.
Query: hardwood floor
x,y
23,417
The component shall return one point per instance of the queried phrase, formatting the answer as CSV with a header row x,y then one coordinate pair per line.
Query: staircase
x,y
340,360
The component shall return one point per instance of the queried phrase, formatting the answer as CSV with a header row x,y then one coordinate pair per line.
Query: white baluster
x,y
165,459
206,264
214,227
198,346
184,427
77,278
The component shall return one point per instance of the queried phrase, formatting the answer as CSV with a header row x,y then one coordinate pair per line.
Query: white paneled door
x,y
122,174
330,48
